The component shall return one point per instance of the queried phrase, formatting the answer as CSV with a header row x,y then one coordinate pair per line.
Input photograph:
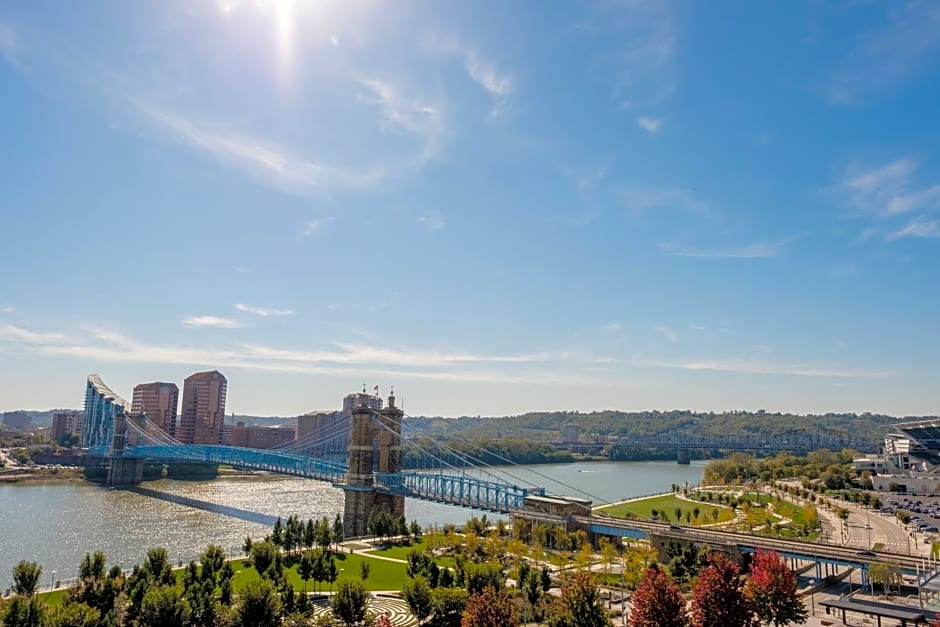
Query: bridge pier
x,y
124,470
683,457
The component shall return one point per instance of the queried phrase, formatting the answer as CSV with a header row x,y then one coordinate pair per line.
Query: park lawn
x,y
666,506
383,575
399,551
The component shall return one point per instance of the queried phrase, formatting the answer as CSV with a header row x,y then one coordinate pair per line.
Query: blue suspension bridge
x,y
363,457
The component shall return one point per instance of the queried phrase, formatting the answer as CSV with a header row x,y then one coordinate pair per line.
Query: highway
x,y
842,555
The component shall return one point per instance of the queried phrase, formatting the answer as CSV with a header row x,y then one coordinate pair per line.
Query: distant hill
x,y
547,426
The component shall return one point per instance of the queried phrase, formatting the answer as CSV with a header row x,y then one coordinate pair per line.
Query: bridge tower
x,y
361,496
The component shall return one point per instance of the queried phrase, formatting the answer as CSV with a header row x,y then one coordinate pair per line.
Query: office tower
x,y
68,422
159,401
203,411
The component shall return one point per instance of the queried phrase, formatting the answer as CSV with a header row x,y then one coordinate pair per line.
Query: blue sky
x,y
495,207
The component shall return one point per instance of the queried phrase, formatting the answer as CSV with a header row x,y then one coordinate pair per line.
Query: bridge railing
x,y
457,489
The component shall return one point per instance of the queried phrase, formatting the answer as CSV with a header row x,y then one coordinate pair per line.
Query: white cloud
x,y
667,333
402,113
648,124
432,221
7,309
484,75
315,226
885,193
481,71
10,333
644,198
757,250
919,227
211,321
755,367
268,164
635,44
905,45
10,46
264,312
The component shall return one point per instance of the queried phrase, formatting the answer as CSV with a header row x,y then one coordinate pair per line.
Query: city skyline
x,y
642,205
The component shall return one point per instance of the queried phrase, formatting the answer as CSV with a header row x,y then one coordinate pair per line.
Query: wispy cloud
x,y
651,125
666,332
401,113
11,333
10,46
313,227
211,321
888,56
757,250
644,198
350,360
432,221
264,312
919,227
268,164
497,85
745,366
7,309
884,194
635,43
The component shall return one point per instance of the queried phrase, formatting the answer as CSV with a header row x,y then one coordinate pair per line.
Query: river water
x,y
56,524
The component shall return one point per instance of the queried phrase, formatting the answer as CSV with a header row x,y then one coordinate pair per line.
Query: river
x,y
55,524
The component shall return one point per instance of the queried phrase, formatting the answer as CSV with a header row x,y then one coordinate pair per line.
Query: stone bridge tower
x,y
361,495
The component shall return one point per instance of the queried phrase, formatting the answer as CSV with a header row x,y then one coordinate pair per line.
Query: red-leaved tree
x,y
718,597
772,591
658,602
490,609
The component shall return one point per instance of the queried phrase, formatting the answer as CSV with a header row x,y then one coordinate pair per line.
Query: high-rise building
x,y
16,419
203,412
159,401
67,422
351,400
102,406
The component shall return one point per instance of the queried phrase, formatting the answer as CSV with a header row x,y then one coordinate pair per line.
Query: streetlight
x,y
52,584
868,529
812,595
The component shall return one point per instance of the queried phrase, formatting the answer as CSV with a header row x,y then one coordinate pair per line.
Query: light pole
x,y
868,529
812,595
52,583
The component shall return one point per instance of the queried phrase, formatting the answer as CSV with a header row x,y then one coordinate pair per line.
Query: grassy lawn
x,y
666,507
383,575
399,552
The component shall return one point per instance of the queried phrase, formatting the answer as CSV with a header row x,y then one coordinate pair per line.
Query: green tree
x,y
310,534
306,566
332,573
350,602
246,546
259,605
448,605
580,605
277,533
417,594
163,606
364,570
26,578
338,530
24,612
772,591
74,615
263,556
324,533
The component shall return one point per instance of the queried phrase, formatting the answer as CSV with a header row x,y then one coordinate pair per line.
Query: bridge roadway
x,y
796,549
